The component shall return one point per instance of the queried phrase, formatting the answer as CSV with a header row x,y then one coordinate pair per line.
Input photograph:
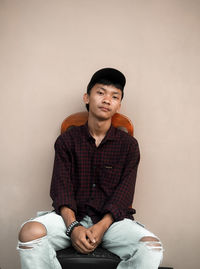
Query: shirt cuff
x,y
57,205
117,213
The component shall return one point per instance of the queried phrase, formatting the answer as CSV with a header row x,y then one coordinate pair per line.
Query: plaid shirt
x,y
95,180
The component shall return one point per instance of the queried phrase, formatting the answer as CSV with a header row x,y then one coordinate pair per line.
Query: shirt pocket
x,y
110,176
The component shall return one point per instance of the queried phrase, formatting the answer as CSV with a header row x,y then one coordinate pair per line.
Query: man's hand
x,y
97,230
83,240
100,228
86,240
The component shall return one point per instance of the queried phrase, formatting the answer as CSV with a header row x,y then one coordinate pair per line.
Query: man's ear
x,y
86,98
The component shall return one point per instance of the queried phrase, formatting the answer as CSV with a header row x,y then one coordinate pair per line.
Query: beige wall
x,y
49,50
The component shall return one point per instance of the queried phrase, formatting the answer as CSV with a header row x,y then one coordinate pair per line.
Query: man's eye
x,y
99,92
115,97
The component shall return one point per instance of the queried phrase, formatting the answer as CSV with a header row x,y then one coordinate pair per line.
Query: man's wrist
x,y
71,227
106,221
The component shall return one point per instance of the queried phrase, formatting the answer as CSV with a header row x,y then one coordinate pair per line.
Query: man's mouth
x,y
105,109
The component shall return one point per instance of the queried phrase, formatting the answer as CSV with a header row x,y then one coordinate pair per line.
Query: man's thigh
x,y
124,236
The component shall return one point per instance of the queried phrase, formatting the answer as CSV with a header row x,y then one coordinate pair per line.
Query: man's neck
x,y
98,128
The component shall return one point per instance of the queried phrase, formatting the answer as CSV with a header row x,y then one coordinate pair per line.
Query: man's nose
x,y
106,100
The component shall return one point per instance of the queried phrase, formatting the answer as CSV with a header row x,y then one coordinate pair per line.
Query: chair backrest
x,y
118,120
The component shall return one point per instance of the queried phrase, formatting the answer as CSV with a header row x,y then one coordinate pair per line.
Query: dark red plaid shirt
x,y
95,180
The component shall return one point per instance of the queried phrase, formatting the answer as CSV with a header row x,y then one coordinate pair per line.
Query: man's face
x,y
104,101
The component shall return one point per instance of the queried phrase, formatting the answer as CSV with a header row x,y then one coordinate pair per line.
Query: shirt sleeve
x,y
61,190
122,198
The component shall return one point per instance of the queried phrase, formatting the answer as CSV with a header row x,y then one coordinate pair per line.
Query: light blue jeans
x,y
122,238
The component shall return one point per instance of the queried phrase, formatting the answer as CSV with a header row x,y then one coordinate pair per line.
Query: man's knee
x,y
31,231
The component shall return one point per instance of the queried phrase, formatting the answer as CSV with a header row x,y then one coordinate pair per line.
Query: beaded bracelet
x,y
72,226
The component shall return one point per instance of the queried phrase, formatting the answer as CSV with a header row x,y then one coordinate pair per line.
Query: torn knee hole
x,y
152,243
32,230
23,247
149,238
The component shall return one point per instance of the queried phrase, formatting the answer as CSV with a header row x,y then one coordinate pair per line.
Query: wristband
x,y
71,227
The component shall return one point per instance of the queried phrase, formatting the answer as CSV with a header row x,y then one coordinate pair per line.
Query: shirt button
x,y
94,185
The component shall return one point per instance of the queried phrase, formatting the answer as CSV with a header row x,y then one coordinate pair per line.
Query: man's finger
x,y
80,247
90,237
87,245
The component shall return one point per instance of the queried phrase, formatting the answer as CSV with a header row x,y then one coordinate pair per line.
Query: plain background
x,y
49,51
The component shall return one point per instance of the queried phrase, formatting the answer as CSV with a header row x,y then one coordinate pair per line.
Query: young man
x,y
92,189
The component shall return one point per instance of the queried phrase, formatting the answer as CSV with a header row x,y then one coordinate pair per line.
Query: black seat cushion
x,y
101,258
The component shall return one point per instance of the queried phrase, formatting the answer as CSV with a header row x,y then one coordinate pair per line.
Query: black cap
x,y
110,74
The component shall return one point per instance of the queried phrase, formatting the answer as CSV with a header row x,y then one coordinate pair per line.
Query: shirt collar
x,y
111,133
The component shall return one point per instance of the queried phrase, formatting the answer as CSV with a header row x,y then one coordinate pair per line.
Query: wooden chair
x,y
118,120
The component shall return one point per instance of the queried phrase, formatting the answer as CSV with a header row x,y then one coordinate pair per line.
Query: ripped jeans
x,y
128,239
